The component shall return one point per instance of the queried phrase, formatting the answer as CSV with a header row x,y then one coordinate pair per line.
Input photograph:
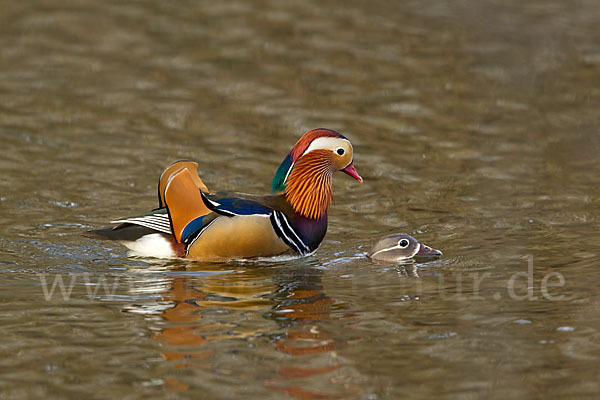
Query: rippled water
x,y
475,125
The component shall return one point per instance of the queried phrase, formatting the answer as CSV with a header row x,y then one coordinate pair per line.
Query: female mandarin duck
x,y
194,223
400,246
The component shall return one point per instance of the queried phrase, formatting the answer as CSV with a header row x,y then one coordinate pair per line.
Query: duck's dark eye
x,y
340,151
403,243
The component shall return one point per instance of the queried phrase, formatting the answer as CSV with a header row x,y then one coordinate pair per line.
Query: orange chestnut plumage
x,y
308,187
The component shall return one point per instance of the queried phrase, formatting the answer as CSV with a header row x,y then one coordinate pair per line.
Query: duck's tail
x,y
158,233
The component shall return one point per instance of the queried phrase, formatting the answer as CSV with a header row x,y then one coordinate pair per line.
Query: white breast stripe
x,y
298,240
279,231
287,233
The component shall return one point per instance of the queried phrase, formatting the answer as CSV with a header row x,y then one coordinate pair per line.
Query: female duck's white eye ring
x,y
403,243
340,151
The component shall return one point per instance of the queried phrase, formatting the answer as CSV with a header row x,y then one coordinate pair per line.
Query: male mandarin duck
x,y
194,223
400,246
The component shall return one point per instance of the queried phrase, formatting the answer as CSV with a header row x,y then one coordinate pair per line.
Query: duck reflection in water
x,y
224,302
302,308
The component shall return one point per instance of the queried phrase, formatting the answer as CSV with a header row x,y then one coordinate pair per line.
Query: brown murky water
x,y
475,125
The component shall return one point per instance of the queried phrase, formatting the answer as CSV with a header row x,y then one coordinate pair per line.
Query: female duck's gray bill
x,y
426,251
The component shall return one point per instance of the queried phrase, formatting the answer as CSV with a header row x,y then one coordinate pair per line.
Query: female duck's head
x,y
400,246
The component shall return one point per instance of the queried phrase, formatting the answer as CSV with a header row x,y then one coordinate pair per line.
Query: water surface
x,y
475,127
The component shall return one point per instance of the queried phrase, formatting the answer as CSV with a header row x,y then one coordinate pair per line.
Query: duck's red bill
x,y
350,170
426,251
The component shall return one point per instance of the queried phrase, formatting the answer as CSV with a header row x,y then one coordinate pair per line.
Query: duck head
x,y
400,246
305,173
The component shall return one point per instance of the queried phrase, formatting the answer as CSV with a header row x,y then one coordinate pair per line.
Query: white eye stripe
x,y
322,143
417,248
325,143
398,247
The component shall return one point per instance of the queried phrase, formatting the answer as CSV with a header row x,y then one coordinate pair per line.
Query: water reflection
x,y
200,305
300,305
